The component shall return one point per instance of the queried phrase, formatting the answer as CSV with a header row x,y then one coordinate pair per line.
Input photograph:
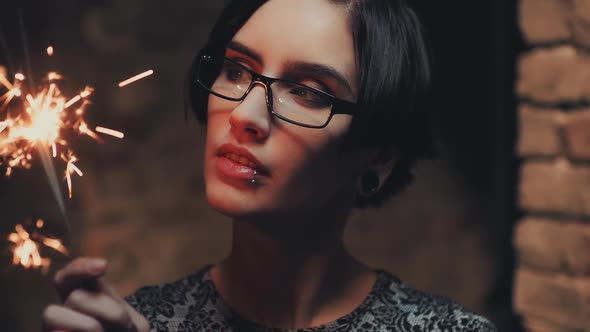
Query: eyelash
x,y
320,85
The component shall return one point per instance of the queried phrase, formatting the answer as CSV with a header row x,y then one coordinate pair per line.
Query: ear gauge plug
x,y
369,183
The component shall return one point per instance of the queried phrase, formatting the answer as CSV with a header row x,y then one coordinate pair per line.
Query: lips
x,y
238,162
239,159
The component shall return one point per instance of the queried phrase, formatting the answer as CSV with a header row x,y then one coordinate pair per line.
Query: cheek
x,y
217,131
306,152
306,147
218,114
312,162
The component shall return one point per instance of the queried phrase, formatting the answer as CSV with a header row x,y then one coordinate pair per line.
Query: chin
x,y
232,200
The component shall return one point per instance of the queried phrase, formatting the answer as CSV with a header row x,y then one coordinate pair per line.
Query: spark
x,y
111,132
26,250
53,76
31,121
84,94
72,101
83,128
136,78
71,168
50,50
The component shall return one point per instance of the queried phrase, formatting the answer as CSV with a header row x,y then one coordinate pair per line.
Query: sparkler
x,y
43,121
40,121
26,247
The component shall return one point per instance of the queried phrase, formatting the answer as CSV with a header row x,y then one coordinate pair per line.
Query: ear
x,y
382,164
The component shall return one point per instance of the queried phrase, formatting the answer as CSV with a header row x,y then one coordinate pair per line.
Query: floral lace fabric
x,y
193,304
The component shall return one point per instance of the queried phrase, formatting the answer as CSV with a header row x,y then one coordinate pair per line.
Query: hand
x,y
90,303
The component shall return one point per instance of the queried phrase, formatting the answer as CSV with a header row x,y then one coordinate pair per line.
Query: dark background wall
x,y
140,202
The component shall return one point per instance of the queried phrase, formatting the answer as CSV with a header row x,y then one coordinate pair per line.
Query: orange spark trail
x,y
136,78
111,132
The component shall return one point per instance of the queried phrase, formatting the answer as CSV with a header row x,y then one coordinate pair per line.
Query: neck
x,y
291,277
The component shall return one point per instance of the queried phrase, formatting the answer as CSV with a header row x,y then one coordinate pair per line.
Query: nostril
x,y
251,130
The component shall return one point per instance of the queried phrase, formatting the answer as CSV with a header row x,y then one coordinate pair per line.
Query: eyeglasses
x,y
290,101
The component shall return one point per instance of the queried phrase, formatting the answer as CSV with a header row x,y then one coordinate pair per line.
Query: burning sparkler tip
x,y
38,121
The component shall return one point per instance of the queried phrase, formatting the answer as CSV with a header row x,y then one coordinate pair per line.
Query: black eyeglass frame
x,y
339,106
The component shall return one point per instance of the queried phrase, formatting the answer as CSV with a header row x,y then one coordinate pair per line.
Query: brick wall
x,y
552,282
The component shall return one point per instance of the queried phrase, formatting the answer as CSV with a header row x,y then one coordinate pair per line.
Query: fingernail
x,y
96,265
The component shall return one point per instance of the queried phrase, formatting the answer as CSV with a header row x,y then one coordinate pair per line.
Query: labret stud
x,y
254,177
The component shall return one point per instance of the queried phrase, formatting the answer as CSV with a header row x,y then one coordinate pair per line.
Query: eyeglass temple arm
x,y
345,107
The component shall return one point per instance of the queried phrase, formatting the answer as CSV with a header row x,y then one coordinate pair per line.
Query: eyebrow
x,y
300,66
241,48
319,70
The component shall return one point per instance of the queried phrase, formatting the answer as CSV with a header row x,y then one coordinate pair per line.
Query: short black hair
x,y
394,77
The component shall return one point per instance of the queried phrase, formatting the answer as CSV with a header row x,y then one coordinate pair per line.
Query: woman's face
x,y
298,169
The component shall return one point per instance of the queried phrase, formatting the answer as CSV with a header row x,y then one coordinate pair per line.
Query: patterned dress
x,y
193,304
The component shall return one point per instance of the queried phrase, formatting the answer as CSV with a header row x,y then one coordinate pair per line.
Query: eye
x,y
308,97
234,74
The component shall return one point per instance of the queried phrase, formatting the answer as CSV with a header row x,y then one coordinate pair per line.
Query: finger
x,y
105,287
139,321
98,305
56,317
77,272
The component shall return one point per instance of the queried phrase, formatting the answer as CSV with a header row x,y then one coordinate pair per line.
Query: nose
x,y
250,120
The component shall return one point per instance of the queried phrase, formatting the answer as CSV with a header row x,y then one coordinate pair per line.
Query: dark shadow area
x,y
475,46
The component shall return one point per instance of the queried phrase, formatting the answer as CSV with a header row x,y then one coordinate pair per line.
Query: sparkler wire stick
x,y
53,182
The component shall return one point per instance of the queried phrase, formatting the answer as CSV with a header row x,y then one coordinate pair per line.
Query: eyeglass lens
x,y
291,101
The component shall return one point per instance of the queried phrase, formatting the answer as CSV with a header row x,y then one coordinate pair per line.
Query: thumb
x,y
79,273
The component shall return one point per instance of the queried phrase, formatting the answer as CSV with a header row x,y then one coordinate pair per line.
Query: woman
x,y
312,108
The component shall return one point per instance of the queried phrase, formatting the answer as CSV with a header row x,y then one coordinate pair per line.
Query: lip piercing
x,y
254,177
